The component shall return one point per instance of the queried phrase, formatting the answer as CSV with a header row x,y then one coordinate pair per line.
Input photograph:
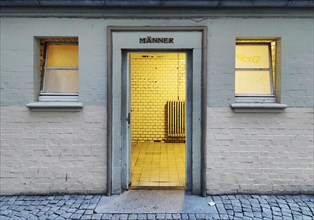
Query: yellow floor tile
x,y
158,164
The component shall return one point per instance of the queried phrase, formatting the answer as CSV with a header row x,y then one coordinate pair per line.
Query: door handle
x,y
128,119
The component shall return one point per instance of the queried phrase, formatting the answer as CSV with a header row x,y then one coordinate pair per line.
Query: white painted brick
x,y
36,158
281,160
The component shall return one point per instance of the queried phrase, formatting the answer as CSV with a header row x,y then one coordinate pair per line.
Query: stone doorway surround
x,y
122,39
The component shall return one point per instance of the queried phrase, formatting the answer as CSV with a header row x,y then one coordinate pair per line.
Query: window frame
x,y
263,103
270,70
259,98
56,95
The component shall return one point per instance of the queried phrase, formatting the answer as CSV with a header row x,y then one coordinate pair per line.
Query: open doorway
x,y
158,119
125,40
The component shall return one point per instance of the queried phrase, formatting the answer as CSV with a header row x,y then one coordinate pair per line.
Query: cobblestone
x,y
228,207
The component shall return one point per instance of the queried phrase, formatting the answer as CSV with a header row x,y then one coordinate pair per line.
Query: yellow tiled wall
x,y
155,79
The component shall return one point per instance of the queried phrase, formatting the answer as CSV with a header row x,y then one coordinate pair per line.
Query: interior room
x,y
158,94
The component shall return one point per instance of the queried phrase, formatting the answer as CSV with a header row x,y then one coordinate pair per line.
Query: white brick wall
x,y
260,152
53,152
247,152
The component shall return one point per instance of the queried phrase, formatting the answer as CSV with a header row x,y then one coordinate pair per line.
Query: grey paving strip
x,y
159,205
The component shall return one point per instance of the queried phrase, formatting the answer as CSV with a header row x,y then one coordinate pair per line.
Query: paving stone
x,y
5,212
247,210
200,216
176,216
151,216
141,216
221,209
92,206
238,214
53,216
192,216
183,216
33,217
216,198
84,206
115,216
168,216
75,205
60,203
228,207
79,211
211,216
230,212
277,214
297,216
71,210
134,217
307,213
307,218
223,216
257,214
88,212
216,216
106,216
247,218
287,217
42,217
76,216
123,216
86,217
248,214
294,207
237,208
231,197
97,216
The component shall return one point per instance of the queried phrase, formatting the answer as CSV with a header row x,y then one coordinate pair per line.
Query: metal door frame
x,y
126,100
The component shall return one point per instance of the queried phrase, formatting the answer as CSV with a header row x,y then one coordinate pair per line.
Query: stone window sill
x,y
258,107
55,106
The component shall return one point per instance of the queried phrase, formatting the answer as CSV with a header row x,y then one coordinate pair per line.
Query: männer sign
x,y
156,40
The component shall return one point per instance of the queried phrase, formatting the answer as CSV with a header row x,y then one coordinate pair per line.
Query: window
x,y
59,78
59,67
257,76
255,70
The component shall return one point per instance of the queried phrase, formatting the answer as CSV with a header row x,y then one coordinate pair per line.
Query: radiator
x,y
176,118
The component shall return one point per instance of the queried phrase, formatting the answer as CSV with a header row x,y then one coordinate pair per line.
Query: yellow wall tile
x,y
155,79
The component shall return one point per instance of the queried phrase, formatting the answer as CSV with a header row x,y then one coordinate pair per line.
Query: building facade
x,y
75,77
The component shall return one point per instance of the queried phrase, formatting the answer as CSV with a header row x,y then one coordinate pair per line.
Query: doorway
x,y
158,119
193,42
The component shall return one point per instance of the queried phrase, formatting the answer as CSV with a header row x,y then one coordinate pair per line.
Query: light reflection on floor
x,y
158,164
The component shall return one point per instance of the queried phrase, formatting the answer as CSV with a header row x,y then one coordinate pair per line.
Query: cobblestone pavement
x,y
227,207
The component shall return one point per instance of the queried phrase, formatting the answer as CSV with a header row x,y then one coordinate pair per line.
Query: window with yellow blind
x,y
59,75
255,70
61,68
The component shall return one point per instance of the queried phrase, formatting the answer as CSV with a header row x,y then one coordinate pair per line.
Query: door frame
x,y
126,108
128,38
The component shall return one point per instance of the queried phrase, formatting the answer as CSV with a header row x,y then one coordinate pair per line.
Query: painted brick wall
x,y
53,152
247,152
155,79
260,152
20,58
